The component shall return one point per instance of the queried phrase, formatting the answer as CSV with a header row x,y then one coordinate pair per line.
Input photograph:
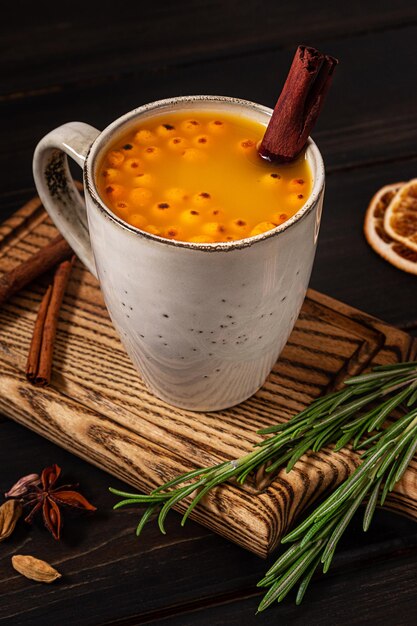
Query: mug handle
x,y
56,187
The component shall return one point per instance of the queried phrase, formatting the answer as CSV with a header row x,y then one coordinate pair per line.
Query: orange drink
x,y
196,176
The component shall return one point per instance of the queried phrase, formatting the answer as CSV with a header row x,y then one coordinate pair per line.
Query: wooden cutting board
x,y
98,408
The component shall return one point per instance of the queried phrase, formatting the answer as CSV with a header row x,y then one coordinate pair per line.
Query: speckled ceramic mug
x,y
203,323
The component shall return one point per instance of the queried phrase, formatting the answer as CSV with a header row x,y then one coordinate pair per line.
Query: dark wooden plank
x,y
368,118
58,47
411,328
382,593
345,266
115,576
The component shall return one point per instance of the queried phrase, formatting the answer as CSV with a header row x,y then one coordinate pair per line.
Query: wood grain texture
x,y
109,576
348,133
329,605
99,408
58,48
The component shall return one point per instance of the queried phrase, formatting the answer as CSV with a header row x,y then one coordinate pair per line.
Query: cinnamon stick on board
x,y
299,105
43,261
39,363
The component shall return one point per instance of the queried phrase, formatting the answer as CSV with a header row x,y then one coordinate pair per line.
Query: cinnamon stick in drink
x,y
299,105
39,363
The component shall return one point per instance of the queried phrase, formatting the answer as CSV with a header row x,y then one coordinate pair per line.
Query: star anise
x,y
48,498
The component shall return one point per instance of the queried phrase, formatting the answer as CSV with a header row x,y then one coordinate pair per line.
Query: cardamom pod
x,y
22,486
35,569
10,511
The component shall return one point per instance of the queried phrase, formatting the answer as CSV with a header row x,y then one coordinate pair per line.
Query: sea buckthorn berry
x,y
172,232
272,180
140,196
202,239
247,145
161,210
152,153
192,155
296,184
176,194
262,227
138,220
145,137
239,225
279,218
165,130
190,126
239,228
294,200
131,165
202,141
177,143
115,158
144,180
203,198
190,216
122,209
217,126
115,191
153,229
214,229
110,174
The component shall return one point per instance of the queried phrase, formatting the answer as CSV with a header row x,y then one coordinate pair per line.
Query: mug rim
x,y
105,136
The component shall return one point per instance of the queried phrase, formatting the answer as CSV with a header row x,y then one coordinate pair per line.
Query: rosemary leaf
x,y
285,560
177,497
331,544
285,583
408,455
371,506
306,581
145,517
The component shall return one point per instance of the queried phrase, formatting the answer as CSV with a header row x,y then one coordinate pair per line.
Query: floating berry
x,y
217,127
177,143
140,196
138,220
115,158
165,130
152,153
192,155
262,227
190,126
144,137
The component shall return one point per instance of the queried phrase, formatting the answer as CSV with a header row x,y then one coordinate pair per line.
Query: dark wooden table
x,y
58,66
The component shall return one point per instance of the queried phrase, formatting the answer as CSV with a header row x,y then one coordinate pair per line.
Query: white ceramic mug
x,y
203,323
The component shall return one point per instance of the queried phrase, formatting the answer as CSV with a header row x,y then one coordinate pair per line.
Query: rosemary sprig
x,y
315,540
333,418
361,406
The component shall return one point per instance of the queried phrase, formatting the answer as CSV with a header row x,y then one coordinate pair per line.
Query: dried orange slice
x,y
400,221
393,251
